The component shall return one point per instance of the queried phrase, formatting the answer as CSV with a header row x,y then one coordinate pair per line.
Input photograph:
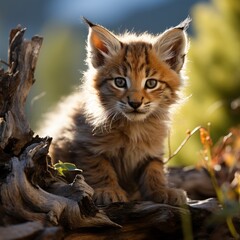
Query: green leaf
x,y
61,167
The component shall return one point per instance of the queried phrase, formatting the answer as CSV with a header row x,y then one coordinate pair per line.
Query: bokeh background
x,y
213,68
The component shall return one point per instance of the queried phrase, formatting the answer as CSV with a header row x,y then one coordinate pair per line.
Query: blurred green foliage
x,y
214,76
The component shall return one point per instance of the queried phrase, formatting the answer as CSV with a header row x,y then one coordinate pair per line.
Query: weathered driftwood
x,y
15,85
36,203
30,230
18,191
147,220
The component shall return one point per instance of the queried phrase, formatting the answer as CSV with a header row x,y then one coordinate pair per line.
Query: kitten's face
x,y
135,84
136,76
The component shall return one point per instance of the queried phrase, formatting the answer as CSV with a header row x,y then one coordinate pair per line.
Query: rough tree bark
x,y
36,203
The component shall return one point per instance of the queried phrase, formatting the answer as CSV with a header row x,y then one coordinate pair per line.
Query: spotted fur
x,y
115,126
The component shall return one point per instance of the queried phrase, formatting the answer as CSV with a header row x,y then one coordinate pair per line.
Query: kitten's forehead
x,y
136,58
136,48
141,45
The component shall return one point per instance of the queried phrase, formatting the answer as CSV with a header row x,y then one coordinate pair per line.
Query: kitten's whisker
x,y
122,105
113,118
112,114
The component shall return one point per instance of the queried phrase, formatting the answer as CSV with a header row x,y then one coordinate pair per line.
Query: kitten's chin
x,y
135,117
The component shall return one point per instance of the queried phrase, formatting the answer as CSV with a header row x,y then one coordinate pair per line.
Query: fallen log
x,y
18,192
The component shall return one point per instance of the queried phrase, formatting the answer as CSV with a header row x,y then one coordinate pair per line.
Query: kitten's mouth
x,y
137,112
135,115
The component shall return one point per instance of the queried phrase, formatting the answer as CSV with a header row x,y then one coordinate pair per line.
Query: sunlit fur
x,y
119,148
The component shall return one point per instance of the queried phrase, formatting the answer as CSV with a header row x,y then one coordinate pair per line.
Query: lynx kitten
x,y
114,127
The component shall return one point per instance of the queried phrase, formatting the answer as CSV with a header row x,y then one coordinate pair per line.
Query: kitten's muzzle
x,y
135,105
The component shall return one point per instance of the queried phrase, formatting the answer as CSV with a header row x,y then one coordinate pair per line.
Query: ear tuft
x,y
90,24
184,25
172,45
102,44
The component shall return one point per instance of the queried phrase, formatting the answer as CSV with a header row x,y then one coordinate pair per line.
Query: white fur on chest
x,y
130,146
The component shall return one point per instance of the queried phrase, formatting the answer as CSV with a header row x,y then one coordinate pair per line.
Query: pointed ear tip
x,y
184,24
90,24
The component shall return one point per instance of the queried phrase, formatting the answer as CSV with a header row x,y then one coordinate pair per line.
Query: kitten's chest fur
x,y
128,145
132,141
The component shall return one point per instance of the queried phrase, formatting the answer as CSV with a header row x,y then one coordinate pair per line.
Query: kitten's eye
x,y
120,82
151,83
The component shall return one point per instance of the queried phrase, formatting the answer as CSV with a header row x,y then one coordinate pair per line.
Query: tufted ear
x,y
102,44
172,45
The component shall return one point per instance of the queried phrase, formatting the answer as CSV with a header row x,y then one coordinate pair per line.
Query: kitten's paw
x,y
176,196
170,196
104,196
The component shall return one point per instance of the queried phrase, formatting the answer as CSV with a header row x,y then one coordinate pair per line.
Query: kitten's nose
x,y
135,105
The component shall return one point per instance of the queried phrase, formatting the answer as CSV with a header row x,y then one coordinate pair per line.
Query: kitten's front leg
x,y
153,186
100,175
